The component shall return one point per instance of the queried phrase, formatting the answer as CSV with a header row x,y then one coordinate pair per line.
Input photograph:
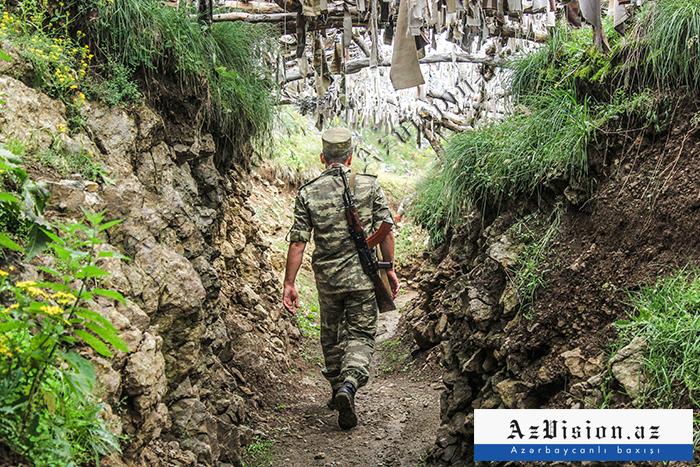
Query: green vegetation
x,y
395,356
59,61
665,50
537,237
564,93
411,241
22,203
294,156
226,66
666,316
515,156
308,313
50,413
47,389
259,453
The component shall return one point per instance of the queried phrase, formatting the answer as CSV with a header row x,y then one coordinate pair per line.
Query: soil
x,y
398,410
640,225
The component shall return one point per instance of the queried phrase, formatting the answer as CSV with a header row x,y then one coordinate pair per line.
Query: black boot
x,y
331,402
345,400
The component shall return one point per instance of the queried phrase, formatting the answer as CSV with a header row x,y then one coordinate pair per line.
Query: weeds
x,y
259,454
528,274
308,313
411,241
666,316
46,388
395,356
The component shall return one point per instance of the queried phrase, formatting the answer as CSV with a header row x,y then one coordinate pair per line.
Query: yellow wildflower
x,y
36,291
3,273
13,306
64,298
5,350
23,284
51,310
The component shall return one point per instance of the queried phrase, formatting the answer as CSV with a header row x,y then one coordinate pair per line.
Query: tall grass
x,y
667,316
225,66
665,50
544,141
568,61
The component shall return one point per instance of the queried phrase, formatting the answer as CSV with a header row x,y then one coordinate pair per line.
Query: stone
x,y
512,392
627,367
34,118
481,313
116,132
135,315
145,373
504,251
510,300
574,362
109,380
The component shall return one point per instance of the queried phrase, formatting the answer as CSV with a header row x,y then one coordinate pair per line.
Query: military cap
x,y
337,142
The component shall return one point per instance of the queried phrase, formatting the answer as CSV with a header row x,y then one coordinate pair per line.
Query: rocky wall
x,y
203,323
493,355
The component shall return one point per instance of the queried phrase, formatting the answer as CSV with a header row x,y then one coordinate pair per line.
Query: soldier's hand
x,y
393,282
290,298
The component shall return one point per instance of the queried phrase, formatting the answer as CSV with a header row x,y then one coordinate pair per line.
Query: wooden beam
x,y
255,18
255,7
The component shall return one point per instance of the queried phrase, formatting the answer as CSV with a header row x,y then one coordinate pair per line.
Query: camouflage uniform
x,y
346,294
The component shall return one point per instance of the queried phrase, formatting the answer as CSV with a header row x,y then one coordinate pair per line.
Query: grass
x,y
513,157
395,356
225,66
664,52
308,311
666,316
537,238
411,240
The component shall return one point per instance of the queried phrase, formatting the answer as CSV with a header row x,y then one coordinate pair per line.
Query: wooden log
x,y
255,18
255,7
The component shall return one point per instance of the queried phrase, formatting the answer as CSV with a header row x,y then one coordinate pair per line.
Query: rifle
x,y
384,299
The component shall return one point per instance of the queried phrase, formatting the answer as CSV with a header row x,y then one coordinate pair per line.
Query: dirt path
x,y
398,410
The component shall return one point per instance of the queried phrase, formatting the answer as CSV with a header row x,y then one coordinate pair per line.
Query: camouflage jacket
x,y
319,208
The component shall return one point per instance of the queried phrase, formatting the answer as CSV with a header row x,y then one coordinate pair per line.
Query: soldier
x,y
345,293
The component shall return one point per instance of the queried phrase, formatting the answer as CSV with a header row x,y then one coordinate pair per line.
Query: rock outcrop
x,y
202,321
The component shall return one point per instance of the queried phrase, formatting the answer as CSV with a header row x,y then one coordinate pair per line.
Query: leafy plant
x,y
259,453
60,63
46,386
21,206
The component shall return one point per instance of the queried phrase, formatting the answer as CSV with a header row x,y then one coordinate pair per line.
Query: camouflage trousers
x,y
348,327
